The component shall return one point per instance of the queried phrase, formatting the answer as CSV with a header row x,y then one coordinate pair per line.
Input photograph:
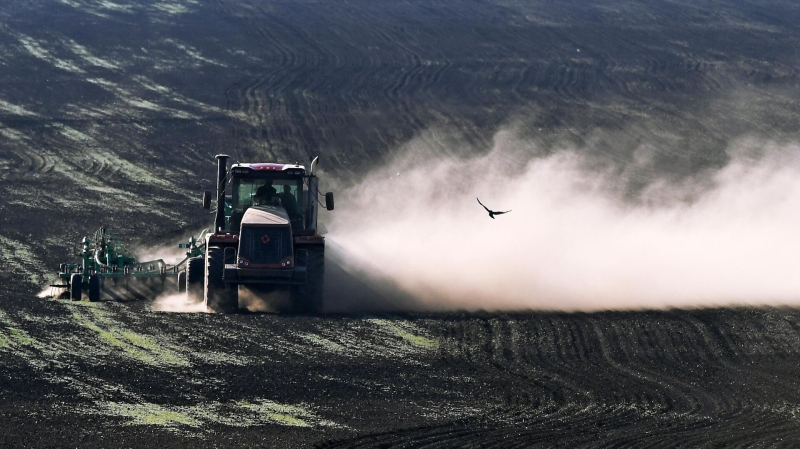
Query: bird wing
x,y
479,202
501,213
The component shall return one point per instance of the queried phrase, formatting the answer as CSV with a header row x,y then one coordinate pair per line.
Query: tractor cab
x,y
279,185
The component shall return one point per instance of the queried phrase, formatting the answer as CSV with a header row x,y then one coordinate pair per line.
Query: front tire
x,y
219,297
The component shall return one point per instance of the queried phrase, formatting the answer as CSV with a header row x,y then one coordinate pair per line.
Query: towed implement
x,y
264,241
104,259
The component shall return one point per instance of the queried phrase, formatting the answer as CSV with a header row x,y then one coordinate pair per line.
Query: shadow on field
x,y
352,290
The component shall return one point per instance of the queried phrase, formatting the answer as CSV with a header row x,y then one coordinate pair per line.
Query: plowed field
x,y
111,112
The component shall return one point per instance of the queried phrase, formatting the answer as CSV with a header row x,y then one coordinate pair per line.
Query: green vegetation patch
x,y
408,333
288,415
98,153
13,337
137,346
148,414
152,350
93,388
20,343
323,342
21,260
219,358
416,340
234,414
21,337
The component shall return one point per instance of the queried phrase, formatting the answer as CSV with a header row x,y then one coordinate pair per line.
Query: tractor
x,y
265,239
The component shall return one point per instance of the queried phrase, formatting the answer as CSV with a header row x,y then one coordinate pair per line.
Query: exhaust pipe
x,y
222,179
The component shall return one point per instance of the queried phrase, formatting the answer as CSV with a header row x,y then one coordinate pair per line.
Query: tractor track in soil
x,y
111,114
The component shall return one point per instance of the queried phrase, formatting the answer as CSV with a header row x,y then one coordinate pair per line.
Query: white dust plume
x,y
178,302
575,239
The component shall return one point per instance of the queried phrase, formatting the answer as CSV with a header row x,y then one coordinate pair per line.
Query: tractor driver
x,y
288,201
266,193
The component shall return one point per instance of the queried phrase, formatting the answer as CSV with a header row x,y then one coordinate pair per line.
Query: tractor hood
x,y
266,216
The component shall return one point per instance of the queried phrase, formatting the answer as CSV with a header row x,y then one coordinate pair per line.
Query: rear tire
x,y
94,288
195,277
75,287
309,298
219,296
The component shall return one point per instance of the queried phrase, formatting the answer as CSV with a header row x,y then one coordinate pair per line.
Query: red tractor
x,y
265,239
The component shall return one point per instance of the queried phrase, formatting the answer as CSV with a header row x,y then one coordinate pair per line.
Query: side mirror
x,y
206,200
329,201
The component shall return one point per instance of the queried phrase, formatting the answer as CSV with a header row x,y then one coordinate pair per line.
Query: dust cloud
x,y
169,252
576,239
254,299
178,302
49,292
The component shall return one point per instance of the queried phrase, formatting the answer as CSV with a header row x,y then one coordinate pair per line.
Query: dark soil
x,y
80,374
111,113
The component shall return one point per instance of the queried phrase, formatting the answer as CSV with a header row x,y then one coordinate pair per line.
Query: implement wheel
x,y
94,288
75,287
219,297
195,276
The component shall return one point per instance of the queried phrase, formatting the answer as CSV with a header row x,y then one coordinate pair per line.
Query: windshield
x,y
286,192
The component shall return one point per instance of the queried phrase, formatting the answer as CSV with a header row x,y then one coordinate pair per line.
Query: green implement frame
x,y
104,257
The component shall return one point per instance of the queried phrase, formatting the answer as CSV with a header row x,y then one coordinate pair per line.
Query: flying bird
x,y
491,212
